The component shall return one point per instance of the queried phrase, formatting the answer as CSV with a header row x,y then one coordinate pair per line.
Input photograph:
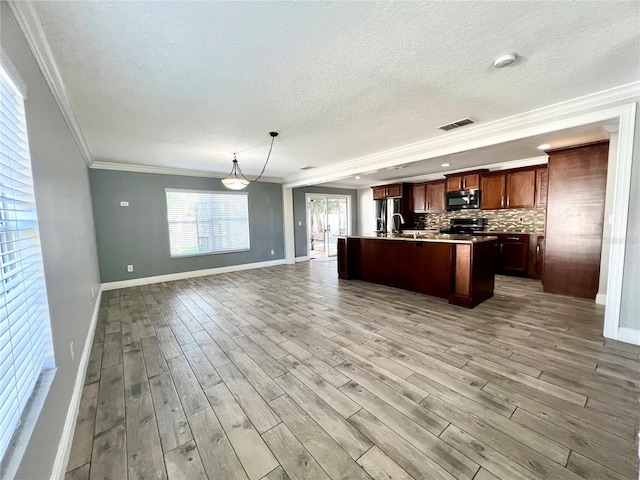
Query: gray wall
x,y
138,234
300,213
630,307
68,243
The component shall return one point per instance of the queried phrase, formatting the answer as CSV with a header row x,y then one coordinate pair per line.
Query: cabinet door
x,y
435,197
470,182
492,192
541,187
418,198
379,193
454,183
513,251
394,190
521,187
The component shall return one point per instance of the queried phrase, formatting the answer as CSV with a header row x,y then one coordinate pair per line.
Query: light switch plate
x,y
124,204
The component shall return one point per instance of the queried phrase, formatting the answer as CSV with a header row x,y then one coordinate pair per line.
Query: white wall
x,y
67,235
366,212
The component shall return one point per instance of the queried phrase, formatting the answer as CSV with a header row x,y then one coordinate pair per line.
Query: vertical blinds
x,y
25,342
207,222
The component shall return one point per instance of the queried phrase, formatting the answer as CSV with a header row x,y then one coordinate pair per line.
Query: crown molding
x,y
29,22
129,167
578,111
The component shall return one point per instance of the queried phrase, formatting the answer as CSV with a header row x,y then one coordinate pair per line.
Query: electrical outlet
x,y
124,204
73,352
272,252
299,223
129,268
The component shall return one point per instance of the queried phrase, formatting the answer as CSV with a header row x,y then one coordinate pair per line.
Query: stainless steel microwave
x,y
463,200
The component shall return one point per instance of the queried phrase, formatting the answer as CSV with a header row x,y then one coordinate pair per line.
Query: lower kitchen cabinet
x,y
536,256
513,253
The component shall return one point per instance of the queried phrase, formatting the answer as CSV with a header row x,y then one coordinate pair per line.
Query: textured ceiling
x,y
186,84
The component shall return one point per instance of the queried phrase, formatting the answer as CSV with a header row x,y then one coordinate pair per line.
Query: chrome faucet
x,y
393,223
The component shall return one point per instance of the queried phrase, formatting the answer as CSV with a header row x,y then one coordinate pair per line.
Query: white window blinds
x,y
25,338
207,222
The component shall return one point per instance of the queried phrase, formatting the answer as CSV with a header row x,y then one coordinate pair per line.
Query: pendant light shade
x,y
236,180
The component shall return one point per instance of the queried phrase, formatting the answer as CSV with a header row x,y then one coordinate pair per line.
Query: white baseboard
x,y
303,259
136,282
64,447
601,299
628,335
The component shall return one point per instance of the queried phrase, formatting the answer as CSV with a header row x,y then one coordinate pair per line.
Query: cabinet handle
x,y
502,201
537,249
507,200
464,183
513,238
500,249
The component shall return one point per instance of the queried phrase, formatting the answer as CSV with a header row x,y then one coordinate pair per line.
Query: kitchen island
x,y
459,268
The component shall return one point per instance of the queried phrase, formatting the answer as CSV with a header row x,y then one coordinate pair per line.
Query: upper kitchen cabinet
x,y
493,191
465,181
387,191
512,189
428,197
521,189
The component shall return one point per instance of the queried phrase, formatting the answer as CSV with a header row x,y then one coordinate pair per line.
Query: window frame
x,y
39,321
213,193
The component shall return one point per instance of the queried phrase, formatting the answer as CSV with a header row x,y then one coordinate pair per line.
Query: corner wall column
x,y
289,240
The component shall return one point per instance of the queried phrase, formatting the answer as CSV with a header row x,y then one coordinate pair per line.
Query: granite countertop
x,y
434,238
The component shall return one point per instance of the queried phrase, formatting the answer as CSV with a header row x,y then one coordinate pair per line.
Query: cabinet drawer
x,y
513,237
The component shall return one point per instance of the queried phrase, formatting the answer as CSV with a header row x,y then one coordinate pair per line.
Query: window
x,y
25,337
207,222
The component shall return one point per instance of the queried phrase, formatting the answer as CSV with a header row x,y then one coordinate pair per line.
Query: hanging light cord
x,y
273,137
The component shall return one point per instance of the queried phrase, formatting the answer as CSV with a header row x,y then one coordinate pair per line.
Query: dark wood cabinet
x,y
536,256
577,178
428,197
492,192
541,187
435,197
513,189
379,193
521,189
419,198
513,253
394,190
467,181
462,272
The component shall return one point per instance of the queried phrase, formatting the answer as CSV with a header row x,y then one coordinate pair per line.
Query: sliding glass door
x,y
328,216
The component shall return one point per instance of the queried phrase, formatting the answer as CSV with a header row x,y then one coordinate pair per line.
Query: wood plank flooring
x,y
290,373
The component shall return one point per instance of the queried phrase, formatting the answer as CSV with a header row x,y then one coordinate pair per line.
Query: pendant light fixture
x,y
236,179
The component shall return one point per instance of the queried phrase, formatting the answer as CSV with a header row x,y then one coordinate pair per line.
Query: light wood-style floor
x,y
288,372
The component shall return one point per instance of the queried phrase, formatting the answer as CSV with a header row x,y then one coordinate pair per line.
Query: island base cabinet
x,y
463,273
474,274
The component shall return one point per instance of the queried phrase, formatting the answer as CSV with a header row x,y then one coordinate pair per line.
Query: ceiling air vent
x,y
308,167
458,124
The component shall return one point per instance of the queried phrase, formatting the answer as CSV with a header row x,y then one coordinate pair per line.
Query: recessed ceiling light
x,y
445,165
544,146
357,177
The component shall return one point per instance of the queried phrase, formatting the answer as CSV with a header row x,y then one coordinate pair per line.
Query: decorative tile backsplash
x,y
527,220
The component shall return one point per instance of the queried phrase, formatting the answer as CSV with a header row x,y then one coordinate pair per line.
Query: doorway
x,y
328,216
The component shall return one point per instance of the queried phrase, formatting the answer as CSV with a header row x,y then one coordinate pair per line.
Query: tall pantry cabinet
x,y
577,178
